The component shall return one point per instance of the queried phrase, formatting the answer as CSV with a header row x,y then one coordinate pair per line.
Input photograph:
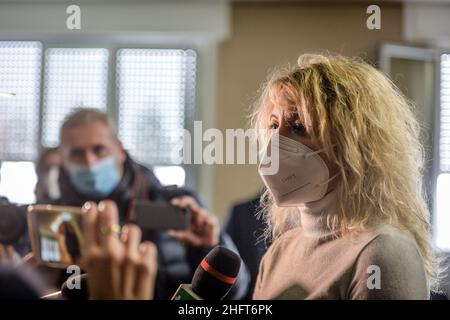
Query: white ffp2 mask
x,y
302,174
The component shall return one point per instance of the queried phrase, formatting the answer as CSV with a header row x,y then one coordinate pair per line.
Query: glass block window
x,y
442,218
444,141
20,73
155,92
73,78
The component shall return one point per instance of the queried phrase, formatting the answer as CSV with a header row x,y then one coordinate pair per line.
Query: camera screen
x,y
58,236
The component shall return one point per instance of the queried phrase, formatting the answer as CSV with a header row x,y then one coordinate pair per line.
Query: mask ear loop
x,y
312,153
317,152
327,181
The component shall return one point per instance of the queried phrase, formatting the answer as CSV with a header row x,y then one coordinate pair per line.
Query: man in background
x,y
95,167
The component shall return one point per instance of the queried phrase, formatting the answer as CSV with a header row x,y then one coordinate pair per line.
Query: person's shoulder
x,y
389,239
167,192
143,170
394,250
393,255
170,192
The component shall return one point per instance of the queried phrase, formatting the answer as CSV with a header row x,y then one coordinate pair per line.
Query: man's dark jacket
x,y
246,228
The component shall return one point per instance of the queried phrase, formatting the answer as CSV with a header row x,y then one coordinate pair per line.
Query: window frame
x,y
43,87
190,104
37,139
402,51
112,107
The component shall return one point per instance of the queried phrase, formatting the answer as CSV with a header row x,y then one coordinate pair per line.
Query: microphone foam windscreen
x,y
216,274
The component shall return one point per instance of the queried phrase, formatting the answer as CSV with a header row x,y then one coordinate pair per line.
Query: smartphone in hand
x,y
56,234
160,216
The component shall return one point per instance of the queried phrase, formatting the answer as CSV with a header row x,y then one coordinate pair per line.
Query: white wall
x,y
429,23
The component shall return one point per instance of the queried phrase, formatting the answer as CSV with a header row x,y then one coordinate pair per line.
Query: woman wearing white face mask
x,y
345,210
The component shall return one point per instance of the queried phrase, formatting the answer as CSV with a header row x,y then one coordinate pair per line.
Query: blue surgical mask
x,y
97,180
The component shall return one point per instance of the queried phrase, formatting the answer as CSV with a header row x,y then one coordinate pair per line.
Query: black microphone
x,y
80,293
214,277
212,280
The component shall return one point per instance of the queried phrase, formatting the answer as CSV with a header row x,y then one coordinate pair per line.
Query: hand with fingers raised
x,y
119,265
204,227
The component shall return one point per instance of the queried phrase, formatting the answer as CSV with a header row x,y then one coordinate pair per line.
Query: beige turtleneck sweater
x,y
309,262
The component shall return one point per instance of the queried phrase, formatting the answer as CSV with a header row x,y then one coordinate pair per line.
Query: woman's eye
x,y
298,128
273,126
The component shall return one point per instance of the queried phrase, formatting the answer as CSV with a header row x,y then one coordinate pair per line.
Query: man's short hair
x,y
86,116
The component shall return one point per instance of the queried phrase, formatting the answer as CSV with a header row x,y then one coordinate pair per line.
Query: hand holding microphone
x,y
118,267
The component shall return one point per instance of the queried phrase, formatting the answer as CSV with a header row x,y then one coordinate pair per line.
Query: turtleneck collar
x,y
314,215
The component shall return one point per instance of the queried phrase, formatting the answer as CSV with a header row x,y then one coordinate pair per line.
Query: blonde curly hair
x,y
370,133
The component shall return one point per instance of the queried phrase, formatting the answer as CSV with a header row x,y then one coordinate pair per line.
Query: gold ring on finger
x,y
112,229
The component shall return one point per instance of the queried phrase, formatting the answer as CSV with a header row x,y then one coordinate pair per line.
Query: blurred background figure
x,y
47,172
135,281
13,238
16,284
95,167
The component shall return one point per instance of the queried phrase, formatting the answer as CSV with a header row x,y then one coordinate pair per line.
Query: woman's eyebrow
x,y
292,114
273,116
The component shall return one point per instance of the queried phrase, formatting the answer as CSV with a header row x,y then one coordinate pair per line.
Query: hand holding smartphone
x,y
57,235
160,216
